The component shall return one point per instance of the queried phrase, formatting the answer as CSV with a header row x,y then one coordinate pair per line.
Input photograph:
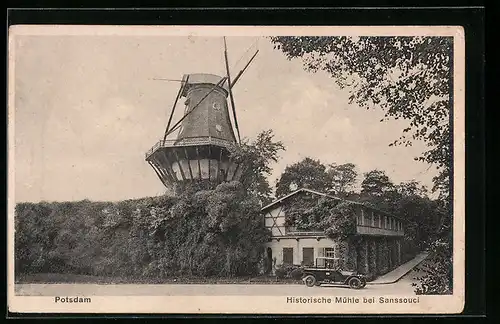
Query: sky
x,y
87,109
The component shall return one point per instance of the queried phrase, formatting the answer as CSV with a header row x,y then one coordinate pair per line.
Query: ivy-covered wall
x,y
367,254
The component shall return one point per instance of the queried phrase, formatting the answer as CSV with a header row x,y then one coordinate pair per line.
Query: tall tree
x,y
307,173
257,156
378,190
411,188
342,178
376,183
407,77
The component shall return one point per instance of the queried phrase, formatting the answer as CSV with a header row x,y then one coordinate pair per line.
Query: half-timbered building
x,y
378,247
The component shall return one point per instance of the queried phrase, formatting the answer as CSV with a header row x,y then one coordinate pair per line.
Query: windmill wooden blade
x,y
243,70
184,82
231,92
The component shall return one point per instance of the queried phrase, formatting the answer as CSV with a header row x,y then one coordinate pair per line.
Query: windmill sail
x,y
231,92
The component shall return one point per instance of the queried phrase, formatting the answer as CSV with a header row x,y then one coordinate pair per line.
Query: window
x,y
308,256
360,218
330,252
287,255
379,221
373,219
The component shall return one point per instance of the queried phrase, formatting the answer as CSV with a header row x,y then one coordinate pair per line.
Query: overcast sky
x,y
87,109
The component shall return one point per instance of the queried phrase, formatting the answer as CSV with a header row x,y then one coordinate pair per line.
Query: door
x,y
308,256
287,255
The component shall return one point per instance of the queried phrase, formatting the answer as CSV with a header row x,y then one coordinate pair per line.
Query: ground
x,y
401,287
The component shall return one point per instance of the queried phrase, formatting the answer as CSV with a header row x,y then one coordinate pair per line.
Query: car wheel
x,y
310,281
355,283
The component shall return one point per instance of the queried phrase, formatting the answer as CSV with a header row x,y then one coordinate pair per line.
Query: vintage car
x,y
327,271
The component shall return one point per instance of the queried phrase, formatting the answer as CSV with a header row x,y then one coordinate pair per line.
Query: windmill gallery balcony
x,y
189,142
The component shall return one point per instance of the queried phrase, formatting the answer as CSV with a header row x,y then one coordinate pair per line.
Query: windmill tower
x,y
200,152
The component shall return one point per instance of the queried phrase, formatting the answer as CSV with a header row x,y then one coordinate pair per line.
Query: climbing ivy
x,y
337,218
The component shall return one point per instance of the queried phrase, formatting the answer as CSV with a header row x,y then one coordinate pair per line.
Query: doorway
x,y
269,258
308,256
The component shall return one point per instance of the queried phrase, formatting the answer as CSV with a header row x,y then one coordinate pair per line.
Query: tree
x,y
411,188
307,173
376,183
407,77
423,214
256,157
342,178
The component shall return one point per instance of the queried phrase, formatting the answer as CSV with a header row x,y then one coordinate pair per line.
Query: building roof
x,y
328,196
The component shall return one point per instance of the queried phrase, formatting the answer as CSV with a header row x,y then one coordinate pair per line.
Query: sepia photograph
x,y
258,170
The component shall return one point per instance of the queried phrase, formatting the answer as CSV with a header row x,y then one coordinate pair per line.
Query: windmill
x,y
200,151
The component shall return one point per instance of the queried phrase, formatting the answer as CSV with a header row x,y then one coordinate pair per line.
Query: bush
x,y
437,278
280,273
215,232
289,272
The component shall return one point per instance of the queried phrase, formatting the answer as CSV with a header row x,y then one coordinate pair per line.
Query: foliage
x,y
340,221
378,190
257,157
437,278
287,271
408,200
342,178
307,212
423,215
307,173
200,231
376,183
407,77
216,232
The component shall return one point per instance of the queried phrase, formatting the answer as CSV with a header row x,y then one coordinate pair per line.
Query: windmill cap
x,y
204,78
